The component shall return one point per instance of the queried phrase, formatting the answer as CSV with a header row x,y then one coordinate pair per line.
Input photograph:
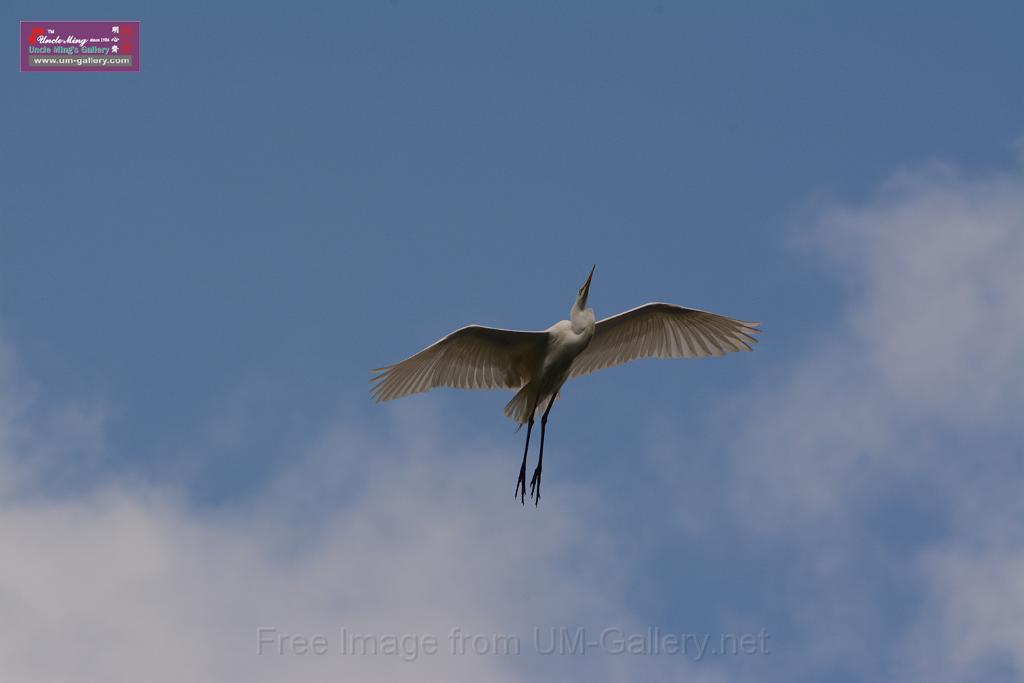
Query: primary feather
x,y
658,330
473,357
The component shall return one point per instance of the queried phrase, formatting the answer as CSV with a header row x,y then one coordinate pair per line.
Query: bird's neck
x,y
581,318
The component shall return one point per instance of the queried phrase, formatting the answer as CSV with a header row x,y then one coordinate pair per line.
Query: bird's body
x,y
537,364
565,340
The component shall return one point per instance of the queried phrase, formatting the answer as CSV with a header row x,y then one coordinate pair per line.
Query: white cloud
x,y
58,444
973,622
932,339
402,536
936,259
909,409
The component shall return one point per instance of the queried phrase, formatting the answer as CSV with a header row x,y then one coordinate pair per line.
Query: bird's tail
x,y
519,408
521,405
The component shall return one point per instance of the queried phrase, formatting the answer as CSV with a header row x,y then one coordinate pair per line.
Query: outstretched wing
x,y
662,331
472,357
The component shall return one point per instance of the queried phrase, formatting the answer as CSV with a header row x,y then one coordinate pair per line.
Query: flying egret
x,y
537,364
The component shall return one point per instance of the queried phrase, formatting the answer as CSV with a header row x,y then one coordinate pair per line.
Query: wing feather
x,y
472,357
658,330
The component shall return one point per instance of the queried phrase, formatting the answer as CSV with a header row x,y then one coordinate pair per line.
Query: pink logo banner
x,y
79,46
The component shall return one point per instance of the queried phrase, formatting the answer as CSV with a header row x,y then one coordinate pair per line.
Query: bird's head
x,y
581,297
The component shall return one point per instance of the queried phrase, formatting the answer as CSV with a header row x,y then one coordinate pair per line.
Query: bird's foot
x,y
535,487
521,485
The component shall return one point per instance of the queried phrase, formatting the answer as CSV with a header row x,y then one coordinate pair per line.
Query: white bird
x,y
537,364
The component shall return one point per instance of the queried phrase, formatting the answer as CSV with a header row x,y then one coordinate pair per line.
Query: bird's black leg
x,y
521,483
535,481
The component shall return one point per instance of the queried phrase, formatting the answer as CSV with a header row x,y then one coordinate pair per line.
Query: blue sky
x,y
199,263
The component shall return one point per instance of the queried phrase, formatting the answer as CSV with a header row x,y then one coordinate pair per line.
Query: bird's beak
x,y
586,285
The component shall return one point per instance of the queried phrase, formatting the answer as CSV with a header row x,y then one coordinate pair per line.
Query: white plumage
x,y
538,363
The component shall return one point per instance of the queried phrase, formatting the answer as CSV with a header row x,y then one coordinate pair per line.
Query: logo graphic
x,y
80,46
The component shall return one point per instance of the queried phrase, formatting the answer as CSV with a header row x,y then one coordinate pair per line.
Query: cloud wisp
x,y
889,457
371,558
